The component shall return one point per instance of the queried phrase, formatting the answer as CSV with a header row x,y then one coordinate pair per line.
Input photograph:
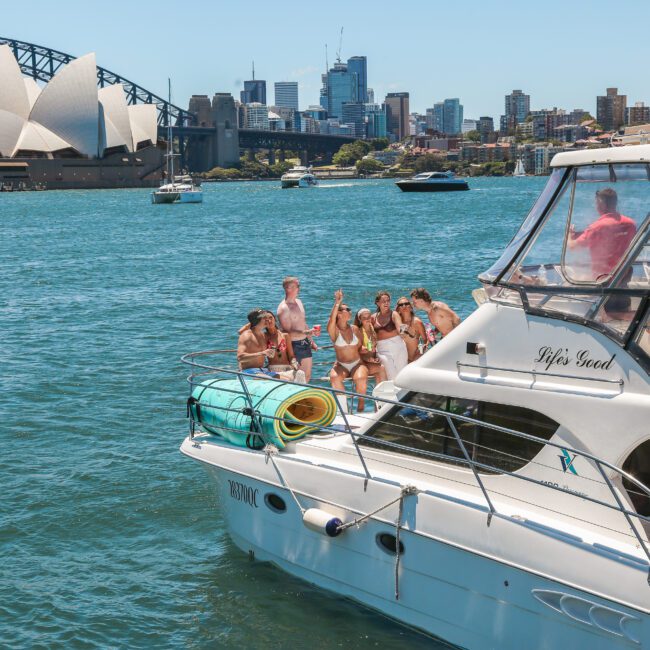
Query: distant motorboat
x,y
433,182
182,189
520,170
298,176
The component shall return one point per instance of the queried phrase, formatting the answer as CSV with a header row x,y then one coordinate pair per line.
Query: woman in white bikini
x,y
347,346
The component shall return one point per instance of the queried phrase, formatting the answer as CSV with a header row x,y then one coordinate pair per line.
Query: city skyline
x,y
558,62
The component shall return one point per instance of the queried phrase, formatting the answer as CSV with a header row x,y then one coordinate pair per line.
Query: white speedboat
x,y
181,189
433,182
299,177
500,499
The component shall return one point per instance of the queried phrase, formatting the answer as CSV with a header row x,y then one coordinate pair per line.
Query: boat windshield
x,y
583,252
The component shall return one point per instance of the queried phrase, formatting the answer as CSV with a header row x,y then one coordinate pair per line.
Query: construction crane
x,y
338,52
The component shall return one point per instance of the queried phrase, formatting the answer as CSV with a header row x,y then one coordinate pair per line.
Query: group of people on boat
x,y
374,344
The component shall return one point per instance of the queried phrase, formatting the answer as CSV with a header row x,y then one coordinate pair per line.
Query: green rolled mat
x,y
300,409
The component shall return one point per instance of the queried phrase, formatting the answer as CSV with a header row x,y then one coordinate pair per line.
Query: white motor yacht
x,y
433,182
498,495
299,176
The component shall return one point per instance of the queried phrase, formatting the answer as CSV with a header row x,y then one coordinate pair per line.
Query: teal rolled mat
x,y
301,409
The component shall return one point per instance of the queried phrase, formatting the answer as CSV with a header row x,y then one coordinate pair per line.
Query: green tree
x,y
379,144
473,136
349,153
279,168
430,163
369,166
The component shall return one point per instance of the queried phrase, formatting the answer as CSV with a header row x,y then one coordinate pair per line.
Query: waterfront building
x,y
517,107
545,121
286,94
359,65
200,105
610,109
353,114
254,91
543,156
570,133
257,116
637,114
397,114
469,125
452,111
485,127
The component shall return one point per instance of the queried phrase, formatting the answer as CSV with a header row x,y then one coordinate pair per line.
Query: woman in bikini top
x,y
347,345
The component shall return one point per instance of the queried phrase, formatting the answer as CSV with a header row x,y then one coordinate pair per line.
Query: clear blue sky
x,y
561,53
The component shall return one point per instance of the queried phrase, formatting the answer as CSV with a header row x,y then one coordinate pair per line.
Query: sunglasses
x,y
403,304
344,309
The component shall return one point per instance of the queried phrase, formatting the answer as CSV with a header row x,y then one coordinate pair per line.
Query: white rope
x,y
271,450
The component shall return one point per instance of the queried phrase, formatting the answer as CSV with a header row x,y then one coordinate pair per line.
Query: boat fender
x,y
322,522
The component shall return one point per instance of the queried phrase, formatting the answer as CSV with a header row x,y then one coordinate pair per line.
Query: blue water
x,y
108,536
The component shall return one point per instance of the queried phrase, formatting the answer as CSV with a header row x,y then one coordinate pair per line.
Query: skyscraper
x,y
610,109
485,128
254,92
517,107
339,87
286,94
359,66
397,114
452,116
354,113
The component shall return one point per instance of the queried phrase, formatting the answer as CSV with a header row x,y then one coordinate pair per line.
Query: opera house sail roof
x,y
69,115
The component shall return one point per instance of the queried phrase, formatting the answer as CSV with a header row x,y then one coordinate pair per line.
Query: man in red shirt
x,y
607,238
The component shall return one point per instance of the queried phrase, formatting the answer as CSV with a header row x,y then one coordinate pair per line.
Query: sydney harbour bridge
x,y
42,63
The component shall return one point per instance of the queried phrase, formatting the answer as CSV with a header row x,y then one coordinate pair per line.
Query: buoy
x,y
322,522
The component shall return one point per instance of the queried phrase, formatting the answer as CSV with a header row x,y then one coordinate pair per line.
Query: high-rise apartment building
x,y
257,116
254,92
610,109
359,65
286,94
397,114
637,114
517,107
485,128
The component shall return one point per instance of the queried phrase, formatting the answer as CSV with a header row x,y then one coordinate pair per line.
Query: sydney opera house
x,y
72,134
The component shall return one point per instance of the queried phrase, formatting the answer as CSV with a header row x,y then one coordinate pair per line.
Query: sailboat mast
x,y
170,146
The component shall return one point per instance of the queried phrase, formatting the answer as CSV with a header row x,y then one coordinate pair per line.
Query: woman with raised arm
x,y
389,327
347,347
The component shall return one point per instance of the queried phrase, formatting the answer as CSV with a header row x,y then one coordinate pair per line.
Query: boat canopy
x,y
583,251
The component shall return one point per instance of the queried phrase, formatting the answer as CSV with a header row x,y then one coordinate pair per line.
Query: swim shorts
x,y
301,349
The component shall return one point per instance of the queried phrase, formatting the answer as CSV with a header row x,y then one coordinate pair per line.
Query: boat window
x,y
637,465
642,339
531,221
610,203
423,431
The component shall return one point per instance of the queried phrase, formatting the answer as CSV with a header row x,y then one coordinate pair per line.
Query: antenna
x,y
338,52
253,70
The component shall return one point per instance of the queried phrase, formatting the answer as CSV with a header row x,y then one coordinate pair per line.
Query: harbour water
x,y
109,537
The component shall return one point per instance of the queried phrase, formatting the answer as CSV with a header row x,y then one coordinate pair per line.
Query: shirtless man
x,y
252,350
441,316
414,328
293,321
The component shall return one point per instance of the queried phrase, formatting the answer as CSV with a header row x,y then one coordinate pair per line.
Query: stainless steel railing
x,y
202,370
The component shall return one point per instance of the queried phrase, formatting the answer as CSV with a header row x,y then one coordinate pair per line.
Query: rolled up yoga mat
x,y
221,406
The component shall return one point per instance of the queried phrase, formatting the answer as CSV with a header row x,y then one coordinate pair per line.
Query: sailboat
x,y
519,169
179,189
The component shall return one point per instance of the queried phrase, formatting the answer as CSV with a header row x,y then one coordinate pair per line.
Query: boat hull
x,y
445,590
443,186
286,184
176,197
